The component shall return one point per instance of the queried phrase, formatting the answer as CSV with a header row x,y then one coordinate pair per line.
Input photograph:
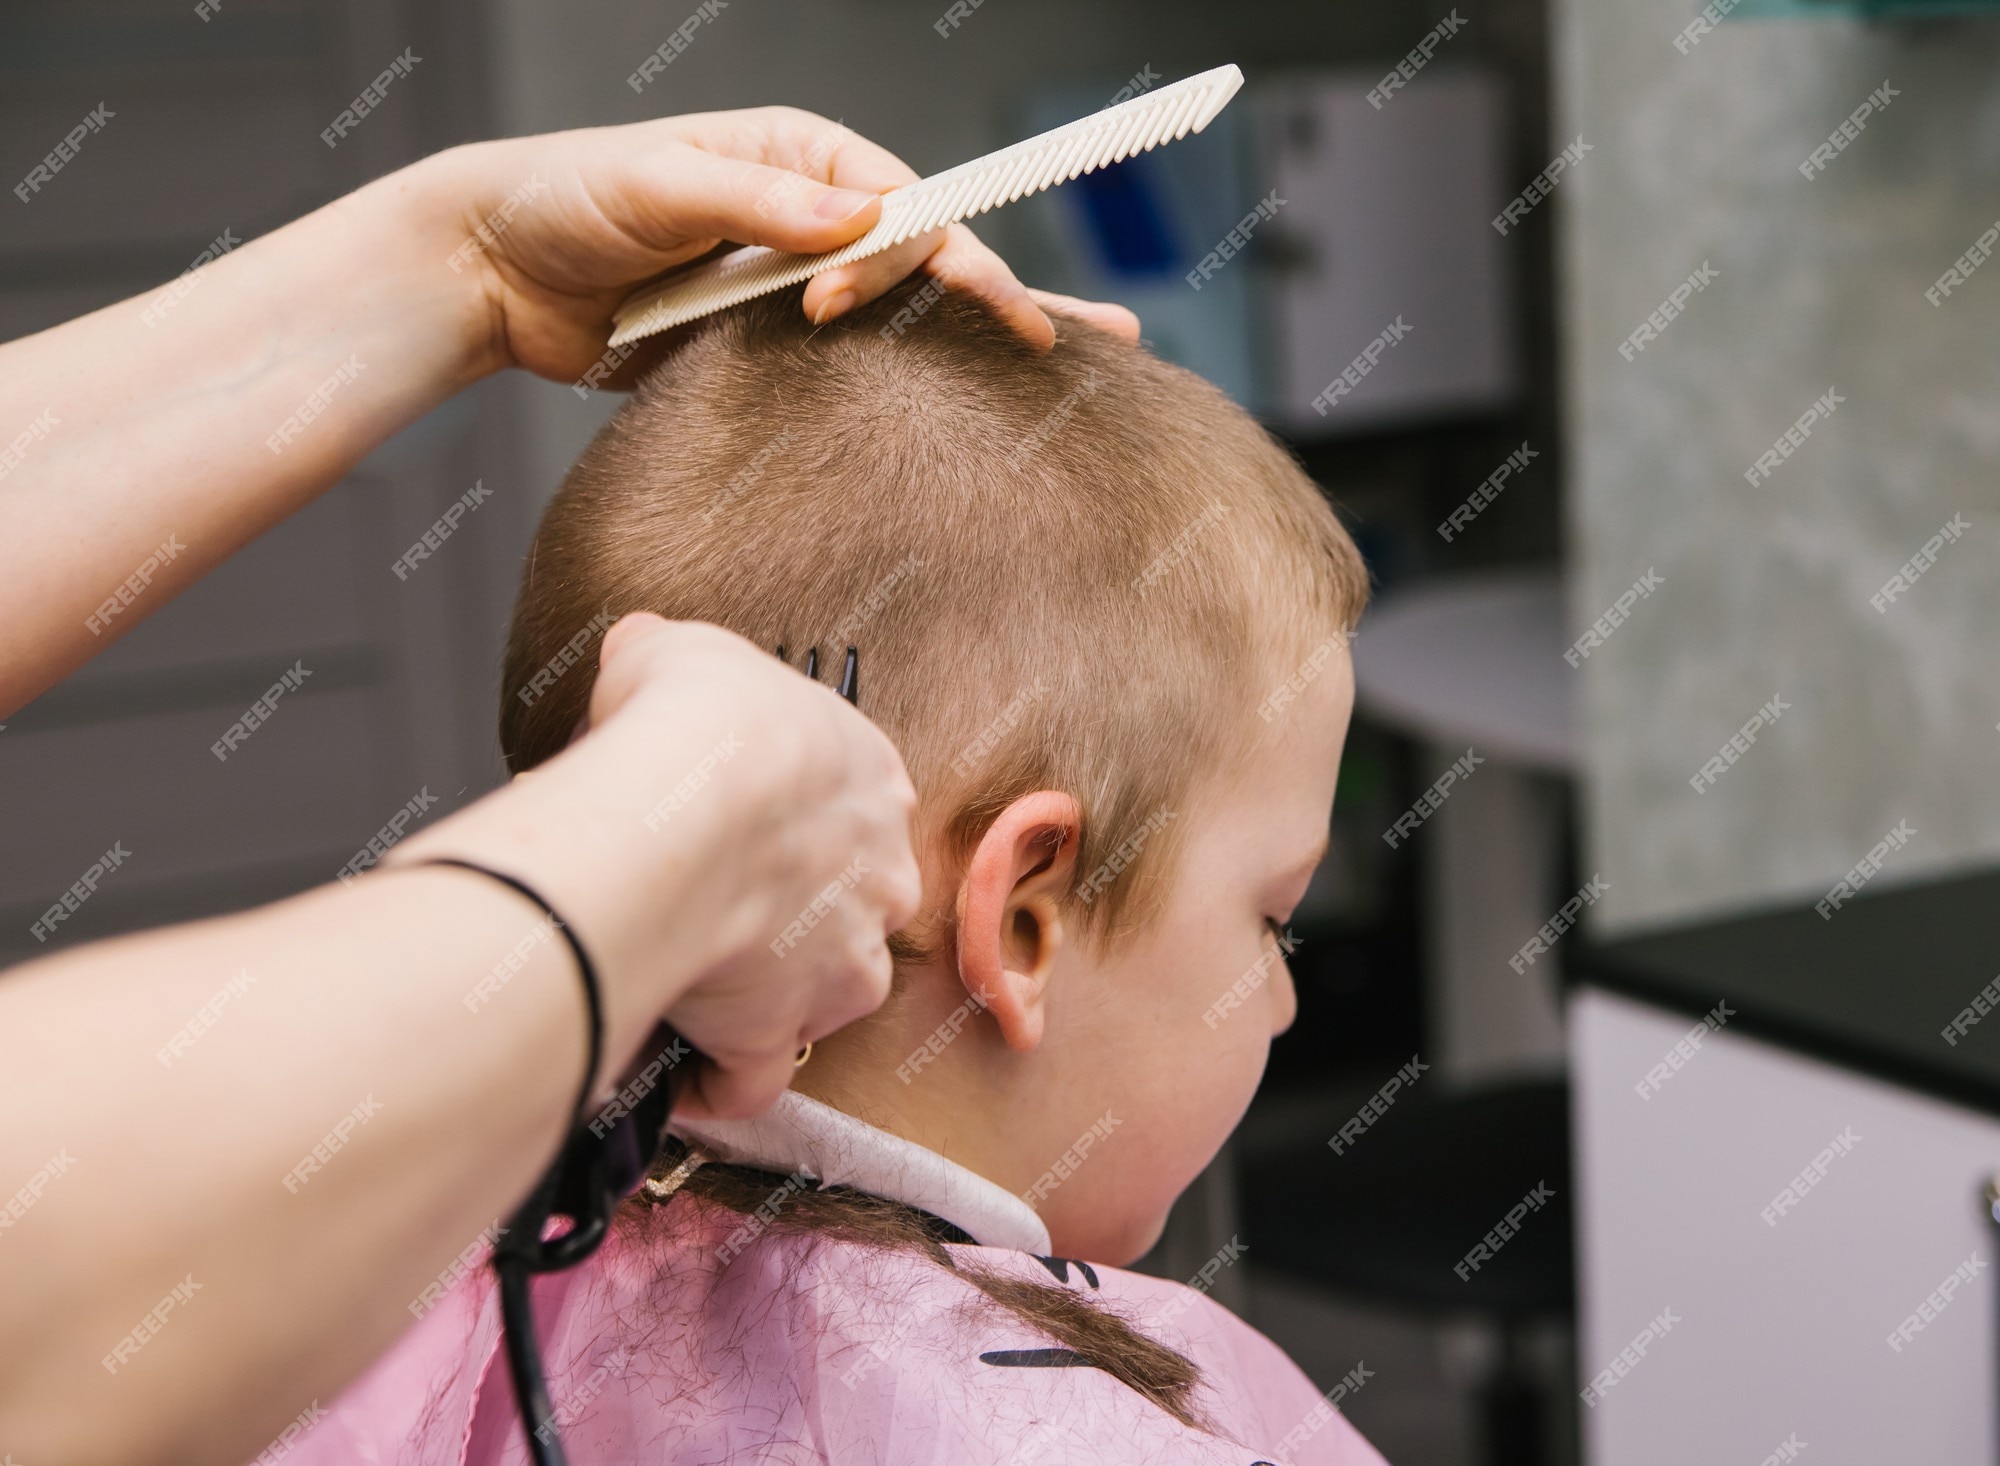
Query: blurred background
x,y
1507,469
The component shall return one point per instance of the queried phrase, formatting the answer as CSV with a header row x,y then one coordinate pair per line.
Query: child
x,y
1104,618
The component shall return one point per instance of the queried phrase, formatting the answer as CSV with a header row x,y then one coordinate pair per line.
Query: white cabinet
x,y
1388,217
1782,1322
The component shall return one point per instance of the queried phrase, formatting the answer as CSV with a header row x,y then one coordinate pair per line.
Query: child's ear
x,y
1009,926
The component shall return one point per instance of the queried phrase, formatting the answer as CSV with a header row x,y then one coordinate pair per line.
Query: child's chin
x,y
1119,1249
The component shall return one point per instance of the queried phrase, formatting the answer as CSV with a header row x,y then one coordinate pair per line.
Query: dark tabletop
x,y
1871,989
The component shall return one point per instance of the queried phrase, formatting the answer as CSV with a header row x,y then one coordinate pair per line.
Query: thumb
x,y
741,1092
622,662
695,194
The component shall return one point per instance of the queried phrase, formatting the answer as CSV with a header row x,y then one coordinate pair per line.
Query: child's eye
x,y
1287,941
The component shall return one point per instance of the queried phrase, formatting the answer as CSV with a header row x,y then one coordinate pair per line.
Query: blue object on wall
x,y
1127,219
1131,232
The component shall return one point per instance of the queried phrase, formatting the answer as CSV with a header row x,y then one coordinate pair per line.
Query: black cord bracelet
x,y
585,967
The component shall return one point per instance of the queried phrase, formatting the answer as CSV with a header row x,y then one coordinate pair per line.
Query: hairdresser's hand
x,y
598,211
315,342
725,817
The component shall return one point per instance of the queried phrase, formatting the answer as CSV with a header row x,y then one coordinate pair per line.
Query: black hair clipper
x,y
604,1161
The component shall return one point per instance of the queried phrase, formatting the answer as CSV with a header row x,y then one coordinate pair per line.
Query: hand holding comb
x,y
970,189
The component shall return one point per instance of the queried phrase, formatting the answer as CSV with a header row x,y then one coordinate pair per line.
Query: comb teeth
x,y
964,192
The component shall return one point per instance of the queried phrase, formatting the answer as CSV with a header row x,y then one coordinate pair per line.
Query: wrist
x,y
425,229
656,907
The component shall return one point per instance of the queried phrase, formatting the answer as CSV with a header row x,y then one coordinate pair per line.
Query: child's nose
x,y
1284,998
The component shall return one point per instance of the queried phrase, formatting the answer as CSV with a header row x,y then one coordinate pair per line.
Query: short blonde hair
x,y
1080,570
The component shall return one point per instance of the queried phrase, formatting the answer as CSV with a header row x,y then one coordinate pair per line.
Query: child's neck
x,y
860,1072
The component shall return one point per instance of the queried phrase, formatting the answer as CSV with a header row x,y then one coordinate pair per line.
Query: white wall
x,y
1695,157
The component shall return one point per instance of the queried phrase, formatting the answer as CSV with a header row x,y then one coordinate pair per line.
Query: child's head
x,y
1102,615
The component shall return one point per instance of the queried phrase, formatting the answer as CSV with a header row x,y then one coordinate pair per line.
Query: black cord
x,y
521,1252
524,1361
599,1164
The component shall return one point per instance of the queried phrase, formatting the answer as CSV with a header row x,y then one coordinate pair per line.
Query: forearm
x,y
140,445
306,1112
303,1115
159,441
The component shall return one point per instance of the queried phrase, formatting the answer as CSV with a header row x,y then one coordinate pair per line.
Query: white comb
x,y
958,193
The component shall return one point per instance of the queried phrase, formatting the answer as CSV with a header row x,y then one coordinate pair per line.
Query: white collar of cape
x,y
800,1134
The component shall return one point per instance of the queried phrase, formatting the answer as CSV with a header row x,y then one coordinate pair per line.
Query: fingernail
x,y
842,301
841,203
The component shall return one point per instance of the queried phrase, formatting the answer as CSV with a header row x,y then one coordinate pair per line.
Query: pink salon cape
x,y
687,1339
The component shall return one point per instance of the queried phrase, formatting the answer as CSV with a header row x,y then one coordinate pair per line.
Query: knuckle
x,y
873,970
783,114
964,262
